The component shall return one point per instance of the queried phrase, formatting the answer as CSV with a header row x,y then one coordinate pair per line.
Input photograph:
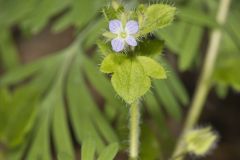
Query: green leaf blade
x,y
150,48
130,81
157,16
152,68
111,62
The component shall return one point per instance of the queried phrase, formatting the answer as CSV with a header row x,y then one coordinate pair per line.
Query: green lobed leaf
x,y
111,63
150,48
130,80
152,68
130,77
157,16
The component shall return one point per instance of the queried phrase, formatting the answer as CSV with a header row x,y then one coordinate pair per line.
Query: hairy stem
x,y
205,78
134,130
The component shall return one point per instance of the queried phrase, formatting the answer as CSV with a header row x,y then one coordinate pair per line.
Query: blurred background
x,y
55,104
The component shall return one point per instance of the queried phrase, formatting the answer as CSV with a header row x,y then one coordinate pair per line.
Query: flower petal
x,y
115,26
131,41
132,27
117,44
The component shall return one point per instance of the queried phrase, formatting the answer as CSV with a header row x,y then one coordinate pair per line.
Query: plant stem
x,y
134,130
205,78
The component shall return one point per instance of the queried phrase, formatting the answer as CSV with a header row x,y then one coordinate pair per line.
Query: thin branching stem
x,y
205,78
134,130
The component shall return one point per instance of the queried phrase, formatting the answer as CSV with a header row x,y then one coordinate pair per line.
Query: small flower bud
x,y
115,5
200,141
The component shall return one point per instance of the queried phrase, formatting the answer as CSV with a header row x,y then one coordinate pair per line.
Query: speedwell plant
x,y
129,50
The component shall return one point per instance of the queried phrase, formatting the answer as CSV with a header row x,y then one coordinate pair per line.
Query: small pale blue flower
x,y
124,34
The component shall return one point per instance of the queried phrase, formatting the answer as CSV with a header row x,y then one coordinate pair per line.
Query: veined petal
x,y
132,27
115,26
117,44
131,41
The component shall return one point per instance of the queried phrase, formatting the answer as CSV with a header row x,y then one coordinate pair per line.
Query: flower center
x,y
123,34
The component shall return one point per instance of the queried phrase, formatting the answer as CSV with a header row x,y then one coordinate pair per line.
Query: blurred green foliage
x,y
47,107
